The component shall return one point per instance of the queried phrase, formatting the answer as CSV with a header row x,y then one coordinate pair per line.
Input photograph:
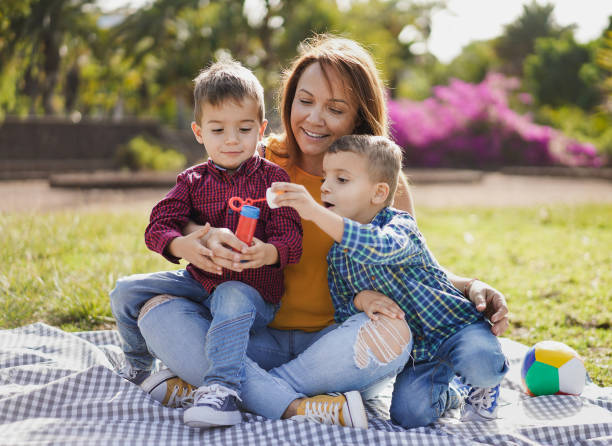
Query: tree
x,y
562,72
604,61
519,37
38,33
474,62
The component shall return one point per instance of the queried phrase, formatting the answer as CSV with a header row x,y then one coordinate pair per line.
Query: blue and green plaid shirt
x,y
389,255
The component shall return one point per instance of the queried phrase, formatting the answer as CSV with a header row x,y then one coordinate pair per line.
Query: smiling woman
x,y
321,112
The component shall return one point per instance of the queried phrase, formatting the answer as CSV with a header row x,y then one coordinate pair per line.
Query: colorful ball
x,y
551,368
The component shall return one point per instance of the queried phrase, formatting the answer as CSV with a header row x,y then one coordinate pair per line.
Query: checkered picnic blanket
x,y
59,388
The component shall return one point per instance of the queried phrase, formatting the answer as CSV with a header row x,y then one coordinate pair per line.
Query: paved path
x,y
493,189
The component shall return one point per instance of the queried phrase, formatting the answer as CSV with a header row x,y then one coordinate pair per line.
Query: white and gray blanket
x,y
59,388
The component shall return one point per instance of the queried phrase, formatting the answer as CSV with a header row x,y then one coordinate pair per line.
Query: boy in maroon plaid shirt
x,y
229,123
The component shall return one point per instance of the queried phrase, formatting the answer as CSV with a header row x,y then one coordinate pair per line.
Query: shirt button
x,y
345,250
419,338
373,277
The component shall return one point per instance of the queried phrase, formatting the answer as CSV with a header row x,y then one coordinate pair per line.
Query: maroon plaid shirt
x,y
202,193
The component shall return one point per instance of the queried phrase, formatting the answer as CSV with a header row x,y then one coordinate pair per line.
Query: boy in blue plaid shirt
x,y
380,248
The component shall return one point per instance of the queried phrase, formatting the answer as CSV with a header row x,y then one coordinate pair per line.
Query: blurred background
x,y
95,84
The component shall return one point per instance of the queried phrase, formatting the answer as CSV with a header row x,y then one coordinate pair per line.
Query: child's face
x,y
347,189
230,131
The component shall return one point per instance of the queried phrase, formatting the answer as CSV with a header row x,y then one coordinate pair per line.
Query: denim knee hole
x,y
384,339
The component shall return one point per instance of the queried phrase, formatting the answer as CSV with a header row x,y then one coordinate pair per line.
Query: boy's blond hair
x,y
384,158
225,80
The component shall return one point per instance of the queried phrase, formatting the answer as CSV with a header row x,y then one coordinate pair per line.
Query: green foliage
x,y
475,61
553,264
144,65
140,153
519,37
562,71
604,61
592,127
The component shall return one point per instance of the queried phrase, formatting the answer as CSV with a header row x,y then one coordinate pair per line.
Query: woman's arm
x,y
486,298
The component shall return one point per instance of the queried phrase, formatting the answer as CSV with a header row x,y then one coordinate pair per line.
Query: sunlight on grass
x,y
552,263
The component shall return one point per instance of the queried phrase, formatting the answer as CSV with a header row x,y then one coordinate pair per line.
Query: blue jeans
x,y
281,365
231,311
421,390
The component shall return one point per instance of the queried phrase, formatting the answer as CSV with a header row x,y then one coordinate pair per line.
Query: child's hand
x,y
257,255
297,197
374,303
190,248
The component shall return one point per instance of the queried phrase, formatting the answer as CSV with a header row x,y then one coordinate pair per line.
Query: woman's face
x,y
321,111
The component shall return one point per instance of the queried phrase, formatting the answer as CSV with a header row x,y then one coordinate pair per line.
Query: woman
x,y
331,90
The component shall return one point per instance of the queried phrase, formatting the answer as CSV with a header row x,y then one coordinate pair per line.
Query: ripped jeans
x,y
231,310
281,365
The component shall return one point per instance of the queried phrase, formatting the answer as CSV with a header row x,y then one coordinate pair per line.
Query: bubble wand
x,y
249,214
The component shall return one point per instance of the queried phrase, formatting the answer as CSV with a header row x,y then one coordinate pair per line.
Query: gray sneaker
x,y
213,405
133,375
170,390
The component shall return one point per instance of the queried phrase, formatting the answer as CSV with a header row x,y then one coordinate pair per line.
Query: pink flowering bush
x,y
472,125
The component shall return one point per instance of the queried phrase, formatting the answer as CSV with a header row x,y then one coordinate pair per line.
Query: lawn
x,y
553,263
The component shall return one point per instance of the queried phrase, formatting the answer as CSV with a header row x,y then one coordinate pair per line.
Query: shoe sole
x,y
156,379
357,414
202,417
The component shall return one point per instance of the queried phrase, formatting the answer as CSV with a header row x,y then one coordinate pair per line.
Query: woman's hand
x,y
491,303
257,255
226,248
190,248
374,303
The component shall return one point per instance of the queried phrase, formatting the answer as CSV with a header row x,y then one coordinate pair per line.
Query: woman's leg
x,y
175,330
353,356
131,293
330,364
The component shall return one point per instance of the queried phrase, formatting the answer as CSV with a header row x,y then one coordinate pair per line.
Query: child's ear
x,y
381,192
197,132
262,128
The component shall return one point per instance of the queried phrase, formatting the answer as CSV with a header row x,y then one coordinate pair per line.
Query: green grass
x,y
554,264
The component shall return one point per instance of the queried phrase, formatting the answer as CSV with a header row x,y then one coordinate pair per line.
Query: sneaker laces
x,y
482,398
323,412
181,396
213,395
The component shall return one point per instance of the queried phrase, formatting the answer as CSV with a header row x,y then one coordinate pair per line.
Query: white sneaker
x,y
170,390
213,405
344,409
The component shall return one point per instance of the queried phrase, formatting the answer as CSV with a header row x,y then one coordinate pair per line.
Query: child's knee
x,y
485,368
121,292
234,297
386,339
413,412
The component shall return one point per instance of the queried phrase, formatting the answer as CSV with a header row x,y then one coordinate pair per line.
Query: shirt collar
x,y
246,168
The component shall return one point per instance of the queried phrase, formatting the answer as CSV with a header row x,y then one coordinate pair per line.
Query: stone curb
x,y
129,180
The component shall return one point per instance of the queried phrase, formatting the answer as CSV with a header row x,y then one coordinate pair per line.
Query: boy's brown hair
x,y
383,155
225,80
